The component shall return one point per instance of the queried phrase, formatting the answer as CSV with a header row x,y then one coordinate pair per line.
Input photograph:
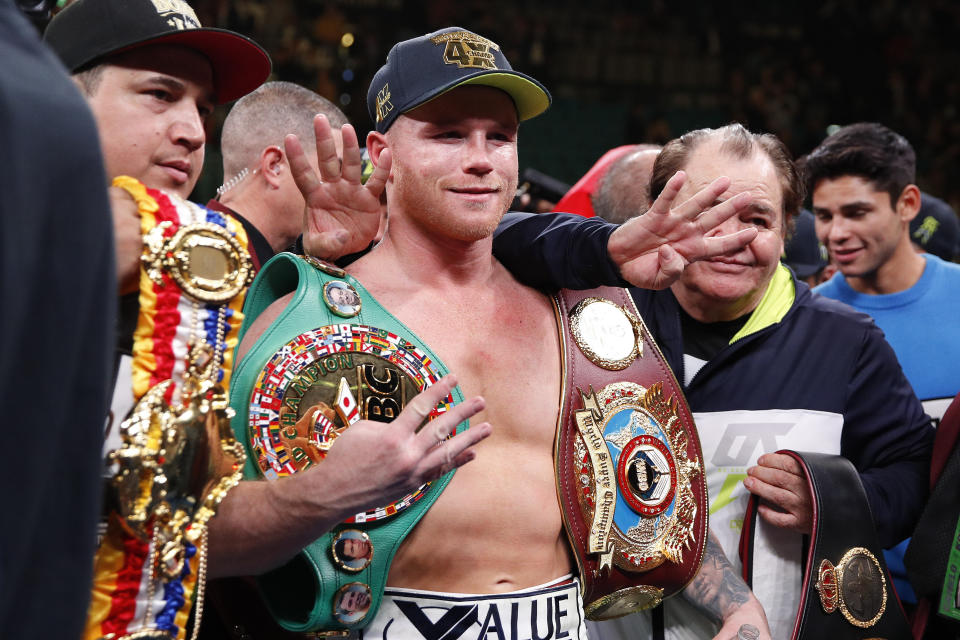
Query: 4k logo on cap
x,y
466,49
178,13
384,106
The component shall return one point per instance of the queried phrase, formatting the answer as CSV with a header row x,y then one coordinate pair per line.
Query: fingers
x,y
670,190
788,499
778,518
719,245
454,452
352,159
378,180
418,409
303,174
781,461
714,216
327,158
671,265
705,199
438,429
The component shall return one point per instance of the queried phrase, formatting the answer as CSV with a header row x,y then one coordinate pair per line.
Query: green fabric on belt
x,y
300,594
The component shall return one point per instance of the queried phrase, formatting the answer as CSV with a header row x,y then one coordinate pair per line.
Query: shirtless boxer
x,y
448,135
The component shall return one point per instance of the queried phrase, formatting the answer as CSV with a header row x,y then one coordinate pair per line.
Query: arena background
x,y
648,71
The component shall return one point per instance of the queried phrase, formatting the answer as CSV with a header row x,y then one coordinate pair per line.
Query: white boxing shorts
x,y
552,611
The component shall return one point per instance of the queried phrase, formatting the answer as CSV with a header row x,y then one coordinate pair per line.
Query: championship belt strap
x,y
847,591
177,456
630,475
332,357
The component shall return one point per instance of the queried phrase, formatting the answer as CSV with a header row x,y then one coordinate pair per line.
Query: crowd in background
x,y
789,68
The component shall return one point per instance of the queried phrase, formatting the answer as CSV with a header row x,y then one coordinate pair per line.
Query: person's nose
x,y
730,225
476,154
187,127
836,231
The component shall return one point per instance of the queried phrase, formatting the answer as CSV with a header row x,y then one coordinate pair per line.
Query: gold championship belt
x,y
177,457
630,474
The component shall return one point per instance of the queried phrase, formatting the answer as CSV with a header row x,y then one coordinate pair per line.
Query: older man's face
x,y
728,286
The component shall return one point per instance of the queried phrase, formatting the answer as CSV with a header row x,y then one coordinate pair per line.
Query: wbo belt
x,y
332,357
847,591
629,469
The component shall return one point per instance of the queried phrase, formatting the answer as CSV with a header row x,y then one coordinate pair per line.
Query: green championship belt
x,y
332,357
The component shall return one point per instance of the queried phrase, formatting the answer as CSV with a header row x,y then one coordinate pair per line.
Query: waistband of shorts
x,y
557,584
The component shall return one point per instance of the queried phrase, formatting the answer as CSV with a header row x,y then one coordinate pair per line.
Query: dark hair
x,y
89,79
866,149
738,142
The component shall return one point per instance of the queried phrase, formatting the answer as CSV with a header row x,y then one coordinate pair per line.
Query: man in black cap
x,y
447,107
936,229
152,75
804,254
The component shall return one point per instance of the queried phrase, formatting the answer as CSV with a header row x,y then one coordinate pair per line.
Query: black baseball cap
x,y
420,69
936,228
803,252
87,31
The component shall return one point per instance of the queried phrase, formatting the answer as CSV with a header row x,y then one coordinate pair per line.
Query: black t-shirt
x,y
704,340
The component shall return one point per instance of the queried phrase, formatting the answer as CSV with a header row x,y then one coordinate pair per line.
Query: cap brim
x,y
239,64
530,97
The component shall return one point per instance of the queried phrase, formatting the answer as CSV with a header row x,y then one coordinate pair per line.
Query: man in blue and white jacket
x,y
765,364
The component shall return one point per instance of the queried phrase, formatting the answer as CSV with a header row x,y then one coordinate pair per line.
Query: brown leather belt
x,y
630,474
847,592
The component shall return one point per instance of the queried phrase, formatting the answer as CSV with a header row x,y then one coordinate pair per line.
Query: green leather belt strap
x,y
375,351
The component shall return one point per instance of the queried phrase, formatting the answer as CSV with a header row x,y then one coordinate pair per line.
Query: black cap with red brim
x,y
88,31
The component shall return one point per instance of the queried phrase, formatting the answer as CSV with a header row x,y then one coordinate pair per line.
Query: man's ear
x,y
376,143
908,204
272,164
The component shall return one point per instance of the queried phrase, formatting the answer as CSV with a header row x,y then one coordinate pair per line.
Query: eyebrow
x,y
758,207
848,206
179,86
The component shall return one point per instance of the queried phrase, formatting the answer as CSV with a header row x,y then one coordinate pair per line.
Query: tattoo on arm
x,y
717,590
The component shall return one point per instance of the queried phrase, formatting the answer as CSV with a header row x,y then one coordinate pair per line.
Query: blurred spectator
x,y
258,188
804,253
579,198
624,190
936,229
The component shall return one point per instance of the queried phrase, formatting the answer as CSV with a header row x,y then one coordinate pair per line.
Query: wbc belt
x,y
630,475
332,357
846,591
